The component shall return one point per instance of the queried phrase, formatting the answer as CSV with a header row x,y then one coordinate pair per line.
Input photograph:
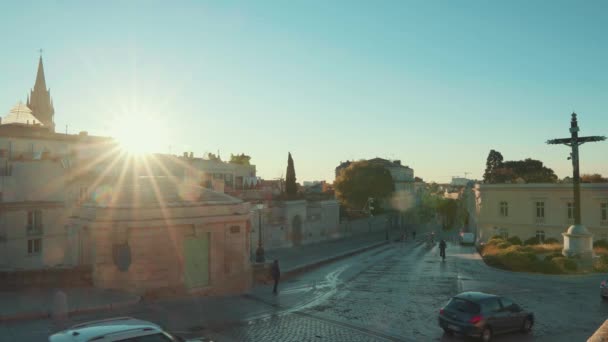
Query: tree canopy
x,y
241,159
593,178
493,162
527,170
362,180
291,188
212,156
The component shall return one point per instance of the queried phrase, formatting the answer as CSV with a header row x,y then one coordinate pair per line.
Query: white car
x,y
124,329
467,238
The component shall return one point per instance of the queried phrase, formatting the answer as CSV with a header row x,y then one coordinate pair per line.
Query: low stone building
x,y
294,223
541,210
158,233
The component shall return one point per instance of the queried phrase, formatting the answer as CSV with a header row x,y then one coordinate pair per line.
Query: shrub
x,y
552,241
495,241
552,255
601,243
514,240
497,237
547,267
600,251
601,264
565,264
532,241
503,245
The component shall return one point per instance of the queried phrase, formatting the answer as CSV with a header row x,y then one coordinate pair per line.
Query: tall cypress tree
x,y
493,162
290,179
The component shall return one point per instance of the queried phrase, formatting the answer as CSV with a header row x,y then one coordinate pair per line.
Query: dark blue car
x,y
482,315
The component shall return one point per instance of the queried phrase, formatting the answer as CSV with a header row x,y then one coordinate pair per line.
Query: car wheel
x,y
448,331
527,325
486,334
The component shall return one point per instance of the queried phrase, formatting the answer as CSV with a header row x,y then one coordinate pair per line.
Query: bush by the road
x,y
532,241
566,264
552,241
514,240
601,264
545,258
600,243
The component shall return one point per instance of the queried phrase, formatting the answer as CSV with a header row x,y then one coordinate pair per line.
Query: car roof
x,y
475,296
96,330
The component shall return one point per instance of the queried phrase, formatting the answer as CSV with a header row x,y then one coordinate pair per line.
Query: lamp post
x,y
259,252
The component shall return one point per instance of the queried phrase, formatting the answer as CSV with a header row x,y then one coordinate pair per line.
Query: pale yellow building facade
x,y
543,210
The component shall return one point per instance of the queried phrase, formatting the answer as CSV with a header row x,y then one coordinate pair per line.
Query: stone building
x,y
541,210
156,233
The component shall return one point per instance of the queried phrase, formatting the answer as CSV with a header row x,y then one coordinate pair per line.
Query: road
x,y
392,293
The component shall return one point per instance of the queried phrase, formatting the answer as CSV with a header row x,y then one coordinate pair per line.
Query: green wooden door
x,y
196,254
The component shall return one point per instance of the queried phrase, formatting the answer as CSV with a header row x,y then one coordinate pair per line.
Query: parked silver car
x,y
116,329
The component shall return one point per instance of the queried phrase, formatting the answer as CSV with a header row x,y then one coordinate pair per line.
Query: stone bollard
x,y
59,310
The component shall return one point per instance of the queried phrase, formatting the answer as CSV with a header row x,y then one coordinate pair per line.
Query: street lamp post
x,y
259,252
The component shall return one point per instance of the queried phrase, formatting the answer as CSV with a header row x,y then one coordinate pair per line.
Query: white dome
x,y
21,114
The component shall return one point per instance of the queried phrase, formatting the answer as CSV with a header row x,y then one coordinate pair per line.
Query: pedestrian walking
x,y
275,271
442,247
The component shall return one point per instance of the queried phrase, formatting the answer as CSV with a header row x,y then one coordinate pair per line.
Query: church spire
x,y
40,101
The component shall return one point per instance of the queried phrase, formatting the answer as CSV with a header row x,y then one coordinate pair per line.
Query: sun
x,y
138,134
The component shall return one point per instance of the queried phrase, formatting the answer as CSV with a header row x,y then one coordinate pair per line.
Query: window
x,y
83,193
540,212
506,302
34,246
34,221
463,305
235,229
604,214
540,235
491,305
570,212
504,209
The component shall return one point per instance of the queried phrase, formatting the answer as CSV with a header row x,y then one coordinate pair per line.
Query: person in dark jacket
x,y
275,271
442,247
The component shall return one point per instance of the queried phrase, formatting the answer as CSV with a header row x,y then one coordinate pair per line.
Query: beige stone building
x,y
157,233
542,210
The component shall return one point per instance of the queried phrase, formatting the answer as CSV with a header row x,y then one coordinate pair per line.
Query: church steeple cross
x,y
574,142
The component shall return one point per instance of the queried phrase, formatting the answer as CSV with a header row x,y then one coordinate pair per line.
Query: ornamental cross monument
x,y
577,240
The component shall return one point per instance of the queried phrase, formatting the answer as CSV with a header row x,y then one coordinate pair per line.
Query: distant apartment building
x,y
541,210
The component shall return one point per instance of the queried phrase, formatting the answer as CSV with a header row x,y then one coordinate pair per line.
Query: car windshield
x,y
463,305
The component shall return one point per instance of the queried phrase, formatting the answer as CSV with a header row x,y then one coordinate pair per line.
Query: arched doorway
x,y
296,229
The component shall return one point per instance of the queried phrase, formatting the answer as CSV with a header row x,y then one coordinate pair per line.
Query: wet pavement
x,y
392,293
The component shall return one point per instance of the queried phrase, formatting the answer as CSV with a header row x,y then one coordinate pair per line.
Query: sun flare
x,y
138,134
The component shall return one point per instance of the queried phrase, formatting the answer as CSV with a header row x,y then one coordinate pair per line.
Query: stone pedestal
x,y
578,243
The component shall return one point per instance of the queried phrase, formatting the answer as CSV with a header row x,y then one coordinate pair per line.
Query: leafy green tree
x,y
493,162
241,159
593,178
291,188
529,170
362,180
448,210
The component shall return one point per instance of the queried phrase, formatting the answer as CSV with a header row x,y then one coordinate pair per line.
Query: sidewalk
x,y
301,258
35,304
38,304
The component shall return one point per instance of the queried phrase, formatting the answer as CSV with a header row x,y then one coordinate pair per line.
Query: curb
x,y
601,334
307,267
45,314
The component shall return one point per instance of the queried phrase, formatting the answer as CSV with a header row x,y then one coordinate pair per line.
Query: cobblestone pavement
x,y
392,293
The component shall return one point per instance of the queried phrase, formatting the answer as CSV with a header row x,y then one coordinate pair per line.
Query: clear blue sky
x,y
435,84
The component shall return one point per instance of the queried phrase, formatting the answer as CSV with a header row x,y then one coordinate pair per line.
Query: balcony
x,y
539,220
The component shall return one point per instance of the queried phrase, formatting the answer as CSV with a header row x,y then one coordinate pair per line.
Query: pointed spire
x,y
40,81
